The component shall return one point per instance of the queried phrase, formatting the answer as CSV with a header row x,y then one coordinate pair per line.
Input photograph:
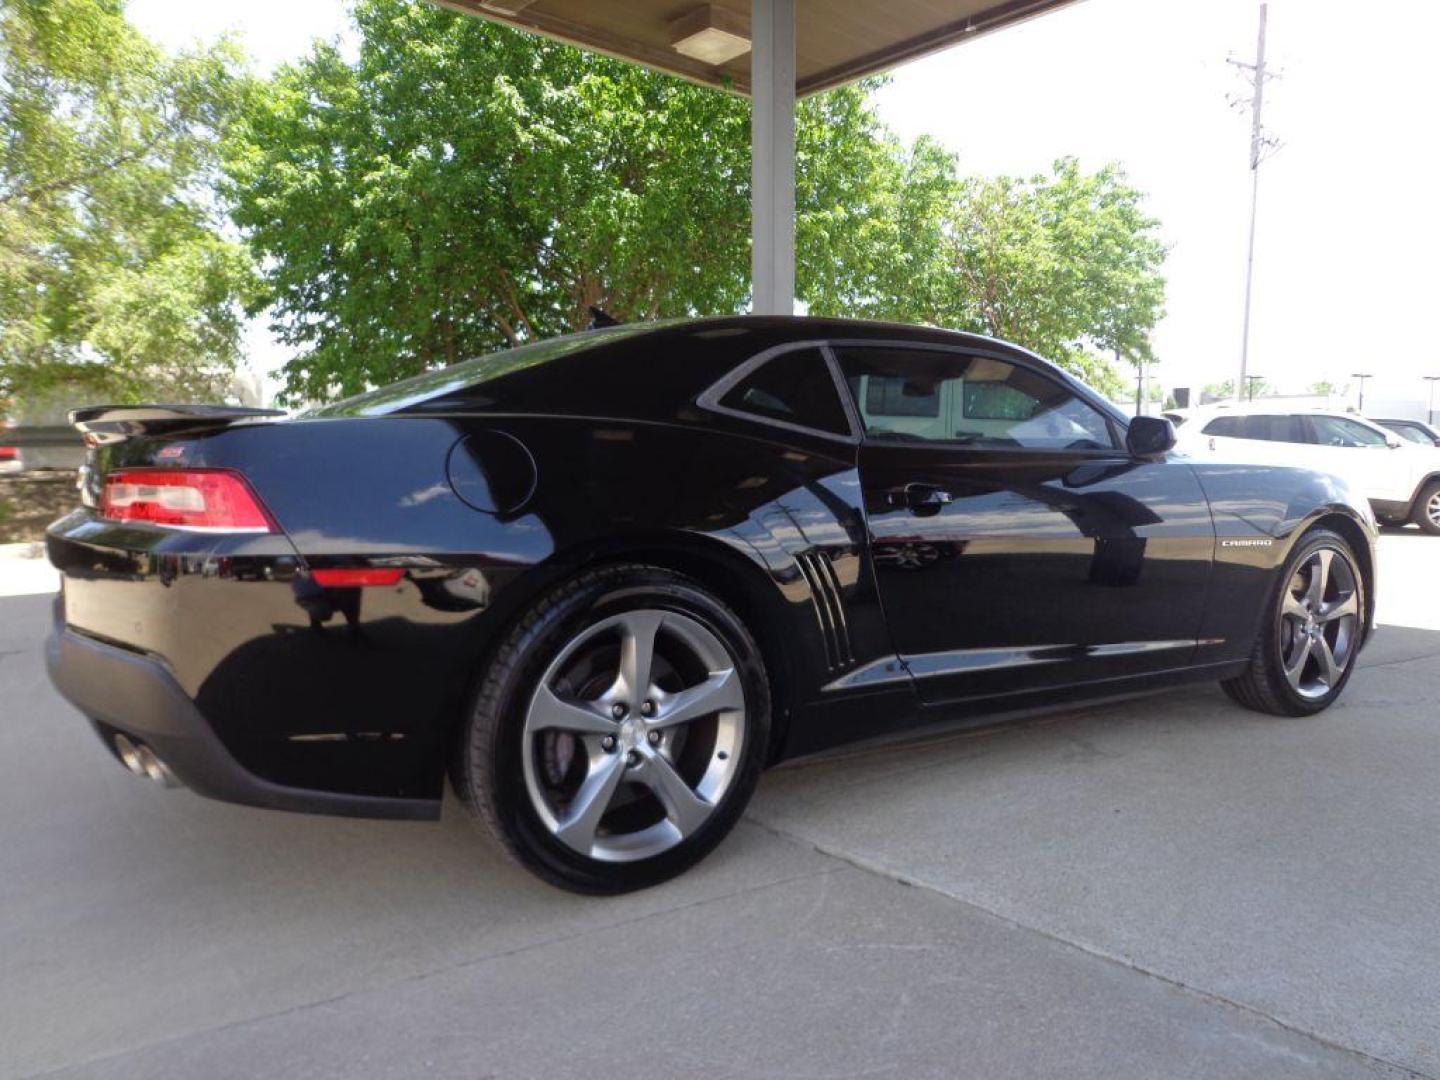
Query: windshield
x,y
1345,432
1412,432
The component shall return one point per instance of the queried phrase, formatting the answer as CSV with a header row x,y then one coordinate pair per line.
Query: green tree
x,y
1221,391
1257,388
1323,388
1066,264
115,273
871,215
461,186
1101,374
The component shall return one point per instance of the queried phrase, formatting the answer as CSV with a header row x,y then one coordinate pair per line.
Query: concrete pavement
x,y
24,571
1169,887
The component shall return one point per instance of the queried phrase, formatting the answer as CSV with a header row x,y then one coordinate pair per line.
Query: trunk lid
x,y
105,427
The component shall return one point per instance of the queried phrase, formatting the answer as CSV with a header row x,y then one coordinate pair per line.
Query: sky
x,y
1348,235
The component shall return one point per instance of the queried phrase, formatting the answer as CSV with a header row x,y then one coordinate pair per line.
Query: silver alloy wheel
x,y
661,713
1319,622
1432,509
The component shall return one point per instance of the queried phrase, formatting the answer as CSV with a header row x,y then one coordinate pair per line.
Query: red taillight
x,y
9,453
346,577
211,500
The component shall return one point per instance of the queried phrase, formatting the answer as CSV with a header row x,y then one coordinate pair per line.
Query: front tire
x,y
1427,508
619,730
1311,634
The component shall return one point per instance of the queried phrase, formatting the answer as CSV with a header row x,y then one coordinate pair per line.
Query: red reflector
x,y
209,500
354,576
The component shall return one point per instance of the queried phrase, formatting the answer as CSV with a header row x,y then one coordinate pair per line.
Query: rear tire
x,y
1311,633
1427,508
619,730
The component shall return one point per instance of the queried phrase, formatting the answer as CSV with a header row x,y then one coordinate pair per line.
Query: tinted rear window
x,y
1228,426
795,388
1259,428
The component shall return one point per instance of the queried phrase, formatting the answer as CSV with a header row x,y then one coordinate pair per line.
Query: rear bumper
x,y
135,694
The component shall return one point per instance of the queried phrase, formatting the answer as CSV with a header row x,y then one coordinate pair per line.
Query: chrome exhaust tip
x,y
129,755
142,761
156,769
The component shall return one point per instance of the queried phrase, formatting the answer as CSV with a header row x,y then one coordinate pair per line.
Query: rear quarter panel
x,y
360,689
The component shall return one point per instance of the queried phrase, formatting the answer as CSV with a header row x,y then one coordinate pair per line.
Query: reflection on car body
x,y
602,581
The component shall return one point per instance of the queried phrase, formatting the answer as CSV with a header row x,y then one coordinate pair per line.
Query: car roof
x,y
596,372
1266,407
1256,408
1202,416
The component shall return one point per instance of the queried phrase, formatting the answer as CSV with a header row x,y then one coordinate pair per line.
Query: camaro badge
x,y
1256,542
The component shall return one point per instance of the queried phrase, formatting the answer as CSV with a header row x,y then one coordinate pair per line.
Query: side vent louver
x,y
829,610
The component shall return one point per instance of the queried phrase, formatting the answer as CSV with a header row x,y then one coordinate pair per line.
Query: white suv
x,y
1401,479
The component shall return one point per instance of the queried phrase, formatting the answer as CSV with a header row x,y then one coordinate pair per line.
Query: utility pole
x,y
1362,376
1258,144
1432,380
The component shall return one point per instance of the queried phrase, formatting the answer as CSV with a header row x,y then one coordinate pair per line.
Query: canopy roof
x,y
836,41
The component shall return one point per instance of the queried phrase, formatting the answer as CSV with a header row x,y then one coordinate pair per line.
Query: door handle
x,y
921,498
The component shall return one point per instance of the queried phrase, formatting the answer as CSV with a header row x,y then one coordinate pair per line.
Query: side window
x,y
886,395
942,396
1225,426
1267,428
794,387
1337,431
1260,428
1295,430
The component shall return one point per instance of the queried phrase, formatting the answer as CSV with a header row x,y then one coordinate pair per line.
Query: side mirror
x,y
1149,436
1393,441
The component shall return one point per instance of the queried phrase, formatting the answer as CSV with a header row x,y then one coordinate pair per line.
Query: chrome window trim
x,y
852,410
709,399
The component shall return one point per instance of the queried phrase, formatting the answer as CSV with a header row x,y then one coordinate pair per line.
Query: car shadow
x,y
1036,734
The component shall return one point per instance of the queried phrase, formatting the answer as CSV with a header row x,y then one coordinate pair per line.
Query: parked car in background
x,y
48,447
1417,431
9,453
37,436
604,579
1400,478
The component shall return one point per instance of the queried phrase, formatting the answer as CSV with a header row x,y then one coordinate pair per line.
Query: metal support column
x,y
772,147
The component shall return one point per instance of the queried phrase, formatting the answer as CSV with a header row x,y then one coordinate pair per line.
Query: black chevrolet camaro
x,y
603,580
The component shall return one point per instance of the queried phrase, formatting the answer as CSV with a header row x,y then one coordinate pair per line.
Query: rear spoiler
x,y
113,423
